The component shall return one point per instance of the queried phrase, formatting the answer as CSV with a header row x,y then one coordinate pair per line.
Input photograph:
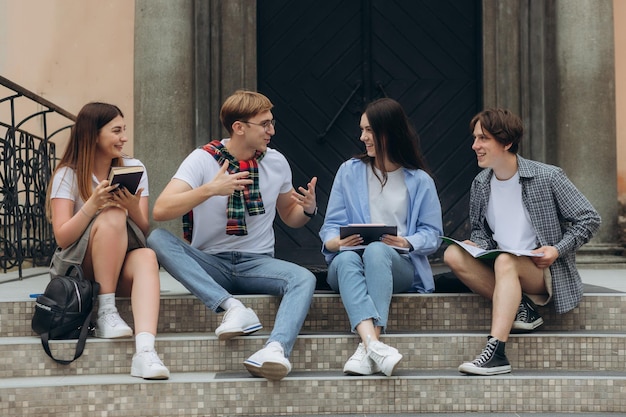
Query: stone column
x,y
504,58
226,59
514,74
585,132
164,122
189,56
553,64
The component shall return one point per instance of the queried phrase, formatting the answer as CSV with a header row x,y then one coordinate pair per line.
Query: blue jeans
x,y
367,280
213,278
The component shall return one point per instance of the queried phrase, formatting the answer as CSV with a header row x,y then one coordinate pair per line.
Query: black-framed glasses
x,y
265,125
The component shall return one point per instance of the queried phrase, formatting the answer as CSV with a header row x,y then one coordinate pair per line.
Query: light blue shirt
x,y
349,203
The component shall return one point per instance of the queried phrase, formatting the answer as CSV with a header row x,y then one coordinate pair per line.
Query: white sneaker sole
x,y
356,370
523,326
471,369
113,334
274,371
230,333
154,374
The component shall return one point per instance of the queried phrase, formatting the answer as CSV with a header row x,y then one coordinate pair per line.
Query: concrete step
x,y
411,392
408,313
24,356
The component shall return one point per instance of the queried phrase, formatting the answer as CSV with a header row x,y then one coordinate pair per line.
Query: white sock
x,y
230,303
144,341
106,303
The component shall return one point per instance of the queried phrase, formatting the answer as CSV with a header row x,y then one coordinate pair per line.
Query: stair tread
x,y
14,340
207,377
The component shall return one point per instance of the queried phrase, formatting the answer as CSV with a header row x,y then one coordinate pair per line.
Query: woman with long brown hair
x,y
102,228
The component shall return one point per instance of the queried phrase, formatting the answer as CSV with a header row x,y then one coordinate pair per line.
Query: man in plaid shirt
x,y
519,204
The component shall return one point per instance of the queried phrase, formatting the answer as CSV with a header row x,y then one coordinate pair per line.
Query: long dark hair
x,y
394,137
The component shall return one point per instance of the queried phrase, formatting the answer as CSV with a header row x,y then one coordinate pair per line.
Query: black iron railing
x,y
28,123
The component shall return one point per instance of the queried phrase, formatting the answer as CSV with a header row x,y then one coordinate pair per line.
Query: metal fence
x,y
28,124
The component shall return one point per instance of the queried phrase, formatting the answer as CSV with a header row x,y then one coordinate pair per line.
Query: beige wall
x,y
71,51
619,10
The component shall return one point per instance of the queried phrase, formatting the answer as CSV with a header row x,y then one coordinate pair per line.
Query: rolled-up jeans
x,y
215,277
366,281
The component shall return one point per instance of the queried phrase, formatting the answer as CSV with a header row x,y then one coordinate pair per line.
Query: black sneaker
x,y
527,318
492,361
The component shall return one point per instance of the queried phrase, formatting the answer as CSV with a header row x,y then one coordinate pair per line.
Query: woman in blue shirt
x,y
387,184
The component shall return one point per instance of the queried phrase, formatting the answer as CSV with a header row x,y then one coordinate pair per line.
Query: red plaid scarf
x,y
239,202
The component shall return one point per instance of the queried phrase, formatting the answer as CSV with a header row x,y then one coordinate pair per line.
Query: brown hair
x,y
81,149
505,126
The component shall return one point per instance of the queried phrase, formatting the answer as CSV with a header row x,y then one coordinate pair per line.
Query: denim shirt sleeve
x,y
347,202
424,223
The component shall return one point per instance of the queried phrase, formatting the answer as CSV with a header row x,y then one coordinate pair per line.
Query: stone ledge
x,y
410,392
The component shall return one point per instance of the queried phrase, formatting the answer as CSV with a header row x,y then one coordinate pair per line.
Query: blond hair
x,y
242,105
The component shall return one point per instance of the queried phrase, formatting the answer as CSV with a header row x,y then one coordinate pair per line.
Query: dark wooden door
x,y
320,62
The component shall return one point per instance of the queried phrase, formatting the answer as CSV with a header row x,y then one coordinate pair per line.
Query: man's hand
x,y
306,197
225,184
549,256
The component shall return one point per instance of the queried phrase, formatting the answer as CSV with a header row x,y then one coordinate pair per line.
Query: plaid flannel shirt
x,y
560,215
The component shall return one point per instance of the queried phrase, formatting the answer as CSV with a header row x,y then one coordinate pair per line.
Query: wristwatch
x,y
310,215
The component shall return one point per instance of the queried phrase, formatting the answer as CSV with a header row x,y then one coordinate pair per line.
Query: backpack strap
x,y
84,331
80,344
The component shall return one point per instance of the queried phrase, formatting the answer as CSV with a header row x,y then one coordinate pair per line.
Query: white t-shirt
x,y
65,184
388,204
209,217
507,216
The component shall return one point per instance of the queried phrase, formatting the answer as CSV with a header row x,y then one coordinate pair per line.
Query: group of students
x,y
234,187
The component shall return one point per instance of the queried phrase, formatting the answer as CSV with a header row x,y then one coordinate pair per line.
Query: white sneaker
x,y
385,357
110,325
238,321
360,363
269,363
147,365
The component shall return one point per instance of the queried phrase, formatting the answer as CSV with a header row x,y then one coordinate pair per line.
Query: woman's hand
x,y
122,198
101,197
135,205
397,241
335,243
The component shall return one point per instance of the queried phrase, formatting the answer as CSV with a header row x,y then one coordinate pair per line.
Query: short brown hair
x,y
505,126
243,105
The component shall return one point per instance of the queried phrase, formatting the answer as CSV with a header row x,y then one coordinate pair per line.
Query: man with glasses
x,y
234,187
